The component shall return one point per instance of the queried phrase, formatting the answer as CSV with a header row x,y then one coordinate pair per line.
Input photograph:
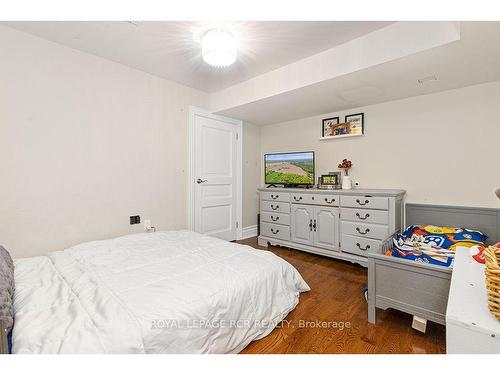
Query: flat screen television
x,y
290,168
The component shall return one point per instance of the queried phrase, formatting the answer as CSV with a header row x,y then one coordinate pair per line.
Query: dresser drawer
x,y
359,245
275,196
327,200
379,203
364,216
278,218
377,231
275,206
278,231
304,198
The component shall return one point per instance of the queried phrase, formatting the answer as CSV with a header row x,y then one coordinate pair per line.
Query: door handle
x,y
200,181
275,232
274,208
314,225
275,218
275,196
297,199
311,224
329,202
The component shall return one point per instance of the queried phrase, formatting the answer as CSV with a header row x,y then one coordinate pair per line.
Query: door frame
x,y
193,111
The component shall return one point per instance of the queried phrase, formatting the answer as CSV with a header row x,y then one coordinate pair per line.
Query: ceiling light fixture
x,y
218,48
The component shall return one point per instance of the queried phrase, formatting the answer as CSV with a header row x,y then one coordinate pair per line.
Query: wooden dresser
x,y
344,224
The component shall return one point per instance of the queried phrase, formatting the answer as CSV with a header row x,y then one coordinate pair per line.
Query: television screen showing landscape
x,y
290,168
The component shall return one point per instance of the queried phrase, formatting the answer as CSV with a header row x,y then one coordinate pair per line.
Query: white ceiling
x,y
171,49
474,59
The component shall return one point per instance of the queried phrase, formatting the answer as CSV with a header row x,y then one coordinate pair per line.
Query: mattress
x,y
163,292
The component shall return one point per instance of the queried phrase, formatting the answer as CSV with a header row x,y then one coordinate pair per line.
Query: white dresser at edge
x,y
343,224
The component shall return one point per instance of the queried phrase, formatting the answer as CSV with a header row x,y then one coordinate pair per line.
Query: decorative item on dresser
x,y
346,180
339,224
329,181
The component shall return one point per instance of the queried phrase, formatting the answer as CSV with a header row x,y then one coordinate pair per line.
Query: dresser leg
x,y
263,243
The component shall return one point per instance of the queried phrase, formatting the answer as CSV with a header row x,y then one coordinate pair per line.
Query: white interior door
x,y
216,175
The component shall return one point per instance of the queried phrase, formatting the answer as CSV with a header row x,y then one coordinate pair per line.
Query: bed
x,y
163,292
422,289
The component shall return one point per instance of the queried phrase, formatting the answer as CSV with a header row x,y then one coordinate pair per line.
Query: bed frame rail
x,y
415,288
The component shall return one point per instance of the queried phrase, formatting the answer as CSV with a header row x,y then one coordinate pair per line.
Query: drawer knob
x,y
362,248
362,218
329,201
275,232
297,199
274,208
365,232
362,204
275,218
274,196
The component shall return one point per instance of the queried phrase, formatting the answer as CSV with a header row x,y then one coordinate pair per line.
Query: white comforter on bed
x,y
164,292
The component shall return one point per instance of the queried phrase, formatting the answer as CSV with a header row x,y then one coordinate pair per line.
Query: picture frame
x,y
331,180
356,123
327,126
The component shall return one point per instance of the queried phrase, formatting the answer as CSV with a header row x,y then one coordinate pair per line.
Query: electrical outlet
x,y
135,220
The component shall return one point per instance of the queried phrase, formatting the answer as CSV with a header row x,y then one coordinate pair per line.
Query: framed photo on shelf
x,y
356,124
329,181
328,125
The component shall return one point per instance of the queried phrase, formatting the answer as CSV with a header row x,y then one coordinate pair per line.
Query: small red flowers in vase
x,y
345,166
346,180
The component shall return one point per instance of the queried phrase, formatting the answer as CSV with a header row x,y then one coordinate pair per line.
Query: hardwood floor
x,y
337,296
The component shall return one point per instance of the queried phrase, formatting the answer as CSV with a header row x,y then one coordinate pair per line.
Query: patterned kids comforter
x,y
432,244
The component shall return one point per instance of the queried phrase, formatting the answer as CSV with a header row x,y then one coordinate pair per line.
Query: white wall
x,y
85,143
251,173
442,148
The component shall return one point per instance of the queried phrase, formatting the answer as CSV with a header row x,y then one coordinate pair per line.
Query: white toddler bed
x,y
164,292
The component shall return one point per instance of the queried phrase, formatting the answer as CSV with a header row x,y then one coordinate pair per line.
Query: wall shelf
x,y
340,136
